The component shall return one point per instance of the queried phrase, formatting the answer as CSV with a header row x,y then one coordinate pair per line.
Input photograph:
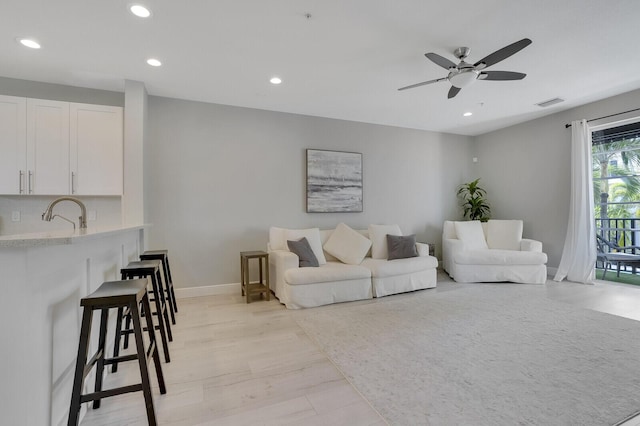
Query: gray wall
x,y
217,177
526,169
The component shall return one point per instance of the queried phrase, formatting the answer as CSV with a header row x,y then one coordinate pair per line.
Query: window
x,y
616,183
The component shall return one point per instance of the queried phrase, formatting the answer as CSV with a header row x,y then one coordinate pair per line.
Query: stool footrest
x,y
121,358
110,392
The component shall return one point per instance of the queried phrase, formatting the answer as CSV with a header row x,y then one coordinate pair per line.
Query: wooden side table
x,y
259,287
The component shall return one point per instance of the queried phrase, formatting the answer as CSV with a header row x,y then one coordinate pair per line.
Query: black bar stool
x,y
163,255
143,269
129,294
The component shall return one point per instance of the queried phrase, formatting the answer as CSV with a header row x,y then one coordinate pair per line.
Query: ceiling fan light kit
x,y
464,74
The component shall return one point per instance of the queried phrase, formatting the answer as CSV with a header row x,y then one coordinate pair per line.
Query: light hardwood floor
x,y
250,364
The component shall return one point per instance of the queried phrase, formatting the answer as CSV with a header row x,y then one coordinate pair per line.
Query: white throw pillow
x,y
347,245
378,237
276,239
504,234
471,234
312,235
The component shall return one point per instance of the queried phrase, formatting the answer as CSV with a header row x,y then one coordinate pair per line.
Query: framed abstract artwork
x,y
334,181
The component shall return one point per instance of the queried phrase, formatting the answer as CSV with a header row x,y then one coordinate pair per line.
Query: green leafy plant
x,y
474,204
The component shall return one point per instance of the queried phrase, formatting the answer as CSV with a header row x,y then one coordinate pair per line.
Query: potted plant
x,y
474,204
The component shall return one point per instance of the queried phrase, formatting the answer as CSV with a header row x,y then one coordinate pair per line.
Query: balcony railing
x,y
620,231
623,233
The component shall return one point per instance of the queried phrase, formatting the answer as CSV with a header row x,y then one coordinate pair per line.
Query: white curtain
x,y
579,253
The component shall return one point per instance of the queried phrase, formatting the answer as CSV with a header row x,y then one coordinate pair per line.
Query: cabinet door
x,y
13,144
96,149
47,147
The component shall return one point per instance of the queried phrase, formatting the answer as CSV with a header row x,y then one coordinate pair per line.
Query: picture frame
x,y
334,181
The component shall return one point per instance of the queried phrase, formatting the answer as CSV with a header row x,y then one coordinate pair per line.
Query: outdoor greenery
x,y
474,204
619,159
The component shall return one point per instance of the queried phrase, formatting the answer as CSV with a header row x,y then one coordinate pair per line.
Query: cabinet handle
x,y
21,181
73,186
30,182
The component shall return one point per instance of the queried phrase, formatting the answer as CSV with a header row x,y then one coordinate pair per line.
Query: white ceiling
x,y
344,62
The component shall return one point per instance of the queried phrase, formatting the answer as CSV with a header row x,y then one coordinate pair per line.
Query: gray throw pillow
x,y
304,252
401,247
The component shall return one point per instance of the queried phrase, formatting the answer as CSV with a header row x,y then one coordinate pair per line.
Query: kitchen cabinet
x,y
96,150
13,144
47,170
59,148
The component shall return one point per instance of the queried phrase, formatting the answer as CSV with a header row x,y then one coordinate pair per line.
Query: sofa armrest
x,y
283,260
530,245
279,262
423,249
449,247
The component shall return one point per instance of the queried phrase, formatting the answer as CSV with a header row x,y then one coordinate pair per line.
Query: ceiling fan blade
x,y
439,60
502,54
501,75
453,91
423,83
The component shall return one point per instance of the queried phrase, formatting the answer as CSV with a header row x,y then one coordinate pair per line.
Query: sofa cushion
x,y
499,257
347,245
302,249
471,234
312,235
401,247
378,237
329,272
381,268
504,234
277,241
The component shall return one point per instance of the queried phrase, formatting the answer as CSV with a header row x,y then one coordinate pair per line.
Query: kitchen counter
x,y
43,277
69,236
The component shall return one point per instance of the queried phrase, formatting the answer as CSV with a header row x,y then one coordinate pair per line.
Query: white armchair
x,y
492,252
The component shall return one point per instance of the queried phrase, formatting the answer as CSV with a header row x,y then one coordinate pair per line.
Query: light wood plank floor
x,y
250,364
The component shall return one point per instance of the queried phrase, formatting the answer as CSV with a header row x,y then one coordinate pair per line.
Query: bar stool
x,y
129,294
143,269
163,255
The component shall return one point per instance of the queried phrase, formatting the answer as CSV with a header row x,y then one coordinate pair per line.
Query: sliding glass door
x,y
616,185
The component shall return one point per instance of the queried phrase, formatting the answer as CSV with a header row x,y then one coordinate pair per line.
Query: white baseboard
x,y
207,290
551,272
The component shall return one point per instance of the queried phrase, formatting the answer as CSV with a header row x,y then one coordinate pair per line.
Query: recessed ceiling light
x,y
154,62
140,11
29,43
275,80
468,114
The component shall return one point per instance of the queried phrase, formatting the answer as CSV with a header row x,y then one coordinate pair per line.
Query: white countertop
x,y
51,238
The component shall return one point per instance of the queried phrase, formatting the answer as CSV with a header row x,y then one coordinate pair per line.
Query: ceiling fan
x,y
465,74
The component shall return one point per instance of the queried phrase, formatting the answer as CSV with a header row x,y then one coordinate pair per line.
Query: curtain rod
x,y
566,126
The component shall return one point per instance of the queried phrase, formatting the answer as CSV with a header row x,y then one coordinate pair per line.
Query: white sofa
x,y
335,281
492,252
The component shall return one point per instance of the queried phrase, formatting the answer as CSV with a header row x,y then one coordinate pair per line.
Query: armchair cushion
x,y
504,234
400,247
471,234
347,245
303,250
378,236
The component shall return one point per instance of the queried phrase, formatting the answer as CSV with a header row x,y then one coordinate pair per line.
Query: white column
x,y
135,129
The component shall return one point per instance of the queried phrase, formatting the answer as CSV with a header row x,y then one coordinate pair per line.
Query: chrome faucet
x,y
48,213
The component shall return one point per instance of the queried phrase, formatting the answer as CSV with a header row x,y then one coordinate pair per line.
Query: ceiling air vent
x,y
550,102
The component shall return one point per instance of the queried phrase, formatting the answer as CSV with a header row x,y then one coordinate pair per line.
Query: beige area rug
x,y
491,354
